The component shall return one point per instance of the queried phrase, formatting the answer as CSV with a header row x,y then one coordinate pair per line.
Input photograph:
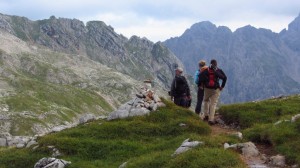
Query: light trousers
x,y
211,97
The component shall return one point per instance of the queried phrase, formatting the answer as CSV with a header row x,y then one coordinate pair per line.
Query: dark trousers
x,y
200,95
180,101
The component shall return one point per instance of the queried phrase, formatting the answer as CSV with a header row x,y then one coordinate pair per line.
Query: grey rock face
x,y
248,56
51,163
100,43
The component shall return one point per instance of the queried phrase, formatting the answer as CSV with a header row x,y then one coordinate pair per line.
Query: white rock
x,y
3,142
185,146
238,134
139,112
277,160
123,165
227,146
86,118
58,128
51,163
31,143
295,118
249,149
180,150
21,145
118,114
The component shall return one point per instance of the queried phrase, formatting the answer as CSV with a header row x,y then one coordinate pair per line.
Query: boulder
x,y
118,114
51,163
277,160
20,145
31,143
185,146
86,118
295,117
3,142
138,112
249,149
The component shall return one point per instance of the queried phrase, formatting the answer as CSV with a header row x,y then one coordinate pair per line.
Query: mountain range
x,y
56,70
259,63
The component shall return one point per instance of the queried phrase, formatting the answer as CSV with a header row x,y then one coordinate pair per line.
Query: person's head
x,y
178,71
201,63
213,63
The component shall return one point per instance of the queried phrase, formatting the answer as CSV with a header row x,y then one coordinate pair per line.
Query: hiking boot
x,y
205,118
211,122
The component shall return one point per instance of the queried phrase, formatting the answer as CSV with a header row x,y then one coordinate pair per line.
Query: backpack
x,y
212,81
196,77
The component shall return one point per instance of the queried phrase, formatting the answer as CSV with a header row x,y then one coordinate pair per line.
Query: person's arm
x,y
222,76
196,77
188,92
172,92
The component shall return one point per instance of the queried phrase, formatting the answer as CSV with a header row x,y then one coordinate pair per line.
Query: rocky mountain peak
x,y
295,24
201,27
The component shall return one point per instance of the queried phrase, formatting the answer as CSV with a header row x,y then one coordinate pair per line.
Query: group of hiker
x,y
209,88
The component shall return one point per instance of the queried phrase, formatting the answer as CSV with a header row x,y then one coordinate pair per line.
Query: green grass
x,y
60,102
257,120
144,141
268,111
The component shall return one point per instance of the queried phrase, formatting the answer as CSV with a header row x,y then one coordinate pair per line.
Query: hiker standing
x,y
180,90
200,92
210,77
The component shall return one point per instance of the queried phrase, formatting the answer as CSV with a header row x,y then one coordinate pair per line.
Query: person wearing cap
x,y
200,92
180,91
212,89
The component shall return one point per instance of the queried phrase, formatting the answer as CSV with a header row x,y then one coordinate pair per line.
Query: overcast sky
x,y
159,20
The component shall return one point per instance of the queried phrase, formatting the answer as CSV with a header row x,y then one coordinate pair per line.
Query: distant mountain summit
x,y
259,63
56,71
136,57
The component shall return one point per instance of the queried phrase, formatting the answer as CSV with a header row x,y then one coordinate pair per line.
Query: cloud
x,y
161,19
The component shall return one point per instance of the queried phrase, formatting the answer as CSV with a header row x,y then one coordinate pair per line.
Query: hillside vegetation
x,y
145,141
269,122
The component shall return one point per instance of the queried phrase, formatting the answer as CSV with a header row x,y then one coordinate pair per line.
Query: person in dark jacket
x,y
200,92
212,89
180,91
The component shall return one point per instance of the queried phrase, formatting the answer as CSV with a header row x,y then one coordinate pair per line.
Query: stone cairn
x,y
144,102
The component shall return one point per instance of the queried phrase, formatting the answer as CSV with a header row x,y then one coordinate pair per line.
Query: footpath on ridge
x,y
258,161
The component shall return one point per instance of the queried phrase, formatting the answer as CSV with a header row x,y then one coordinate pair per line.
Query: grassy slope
x,y
257,121
65,102
146,141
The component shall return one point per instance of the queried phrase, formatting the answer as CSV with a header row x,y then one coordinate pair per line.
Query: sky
x,y
159,20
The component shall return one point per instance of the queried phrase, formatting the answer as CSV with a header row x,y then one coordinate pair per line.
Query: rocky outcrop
x,y
145,102
51,163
